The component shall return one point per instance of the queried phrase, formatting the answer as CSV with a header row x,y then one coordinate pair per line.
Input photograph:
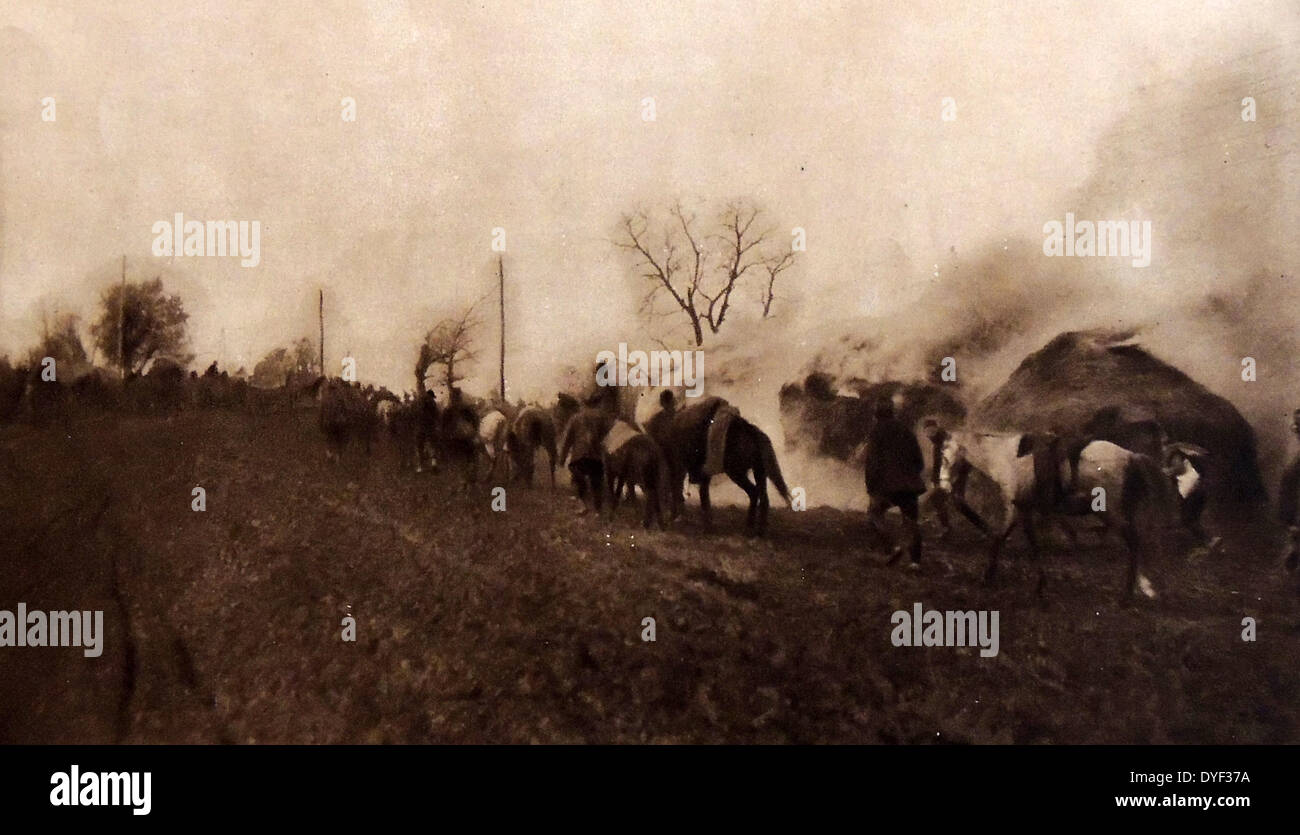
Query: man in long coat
x,y
893,476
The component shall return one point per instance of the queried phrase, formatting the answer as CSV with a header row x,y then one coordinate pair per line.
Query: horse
x,y
345,414
635,460
1185,464
1129,488
458,435
493,430
746,448
533,429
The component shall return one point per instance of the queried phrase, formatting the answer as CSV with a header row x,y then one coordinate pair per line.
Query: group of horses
x,y
1037,475
503,441
656,454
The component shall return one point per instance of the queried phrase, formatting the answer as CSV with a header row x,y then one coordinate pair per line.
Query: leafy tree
x,y
61,340
272,369
305,360
151,325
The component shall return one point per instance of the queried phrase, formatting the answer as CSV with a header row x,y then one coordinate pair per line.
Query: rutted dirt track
x,y
525,626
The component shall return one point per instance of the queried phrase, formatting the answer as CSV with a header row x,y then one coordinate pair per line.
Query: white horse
x,y
493,430
1126,489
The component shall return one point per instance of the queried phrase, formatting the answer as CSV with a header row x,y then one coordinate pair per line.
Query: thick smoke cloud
x,y
1221,194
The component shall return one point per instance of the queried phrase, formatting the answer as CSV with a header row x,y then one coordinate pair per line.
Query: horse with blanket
x,y
631,458
708,438
1037,474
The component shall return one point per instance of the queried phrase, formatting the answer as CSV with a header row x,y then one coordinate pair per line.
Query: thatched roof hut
x,y
1067,383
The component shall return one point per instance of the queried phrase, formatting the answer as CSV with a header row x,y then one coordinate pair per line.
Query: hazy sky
x,y
528,116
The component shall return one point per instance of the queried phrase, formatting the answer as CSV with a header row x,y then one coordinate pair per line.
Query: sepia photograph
x,y
405,373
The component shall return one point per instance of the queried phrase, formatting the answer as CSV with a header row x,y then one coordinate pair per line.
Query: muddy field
x,y
525,626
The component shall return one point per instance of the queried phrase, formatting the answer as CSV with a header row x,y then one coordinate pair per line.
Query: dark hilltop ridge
x,y
1081,374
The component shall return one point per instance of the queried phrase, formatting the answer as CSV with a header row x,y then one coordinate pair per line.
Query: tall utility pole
x,y
121,323
501,275
322,331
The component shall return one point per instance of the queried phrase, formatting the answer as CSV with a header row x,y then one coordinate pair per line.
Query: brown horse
x,y
746,449
638,462
533,429
345,414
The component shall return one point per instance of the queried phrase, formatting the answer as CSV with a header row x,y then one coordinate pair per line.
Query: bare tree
x,y
450,344
774,267
697,270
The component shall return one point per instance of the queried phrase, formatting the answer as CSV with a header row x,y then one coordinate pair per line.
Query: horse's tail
x,y
539,431
771,466
525,428
566,441
546,434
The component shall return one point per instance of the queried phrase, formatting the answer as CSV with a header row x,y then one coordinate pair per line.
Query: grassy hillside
x,y
524,626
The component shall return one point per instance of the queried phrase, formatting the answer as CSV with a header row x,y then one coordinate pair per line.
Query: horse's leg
x,y
742,481
480,454
495,463
1032,537
1190,513
650,486
617,480
662,510
760,481
995,547
1134,545
676,476
648,500
705,510
958,498
602,481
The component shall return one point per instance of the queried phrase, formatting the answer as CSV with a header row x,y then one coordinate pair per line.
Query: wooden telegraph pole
x,y
121,323
322,331
501,275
